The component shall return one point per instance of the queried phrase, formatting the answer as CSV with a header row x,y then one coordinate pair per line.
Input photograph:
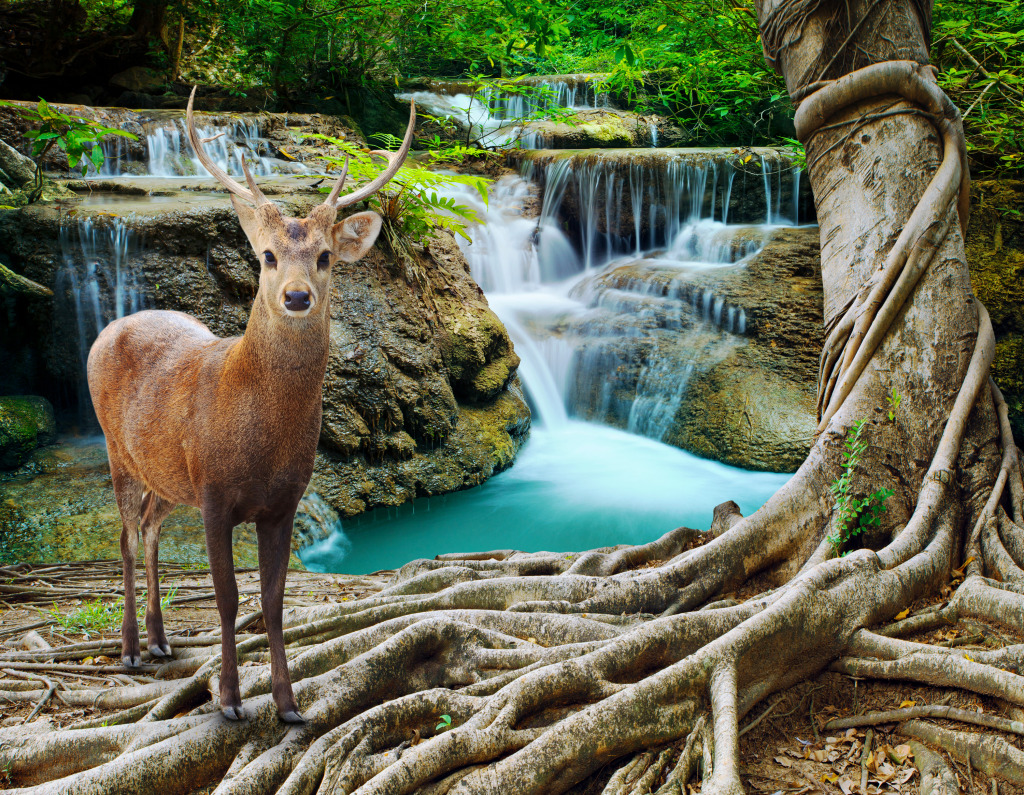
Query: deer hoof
x,y
291,716
160,650
233,713
132,661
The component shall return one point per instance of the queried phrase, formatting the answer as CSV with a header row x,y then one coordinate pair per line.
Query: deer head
x,y
296,254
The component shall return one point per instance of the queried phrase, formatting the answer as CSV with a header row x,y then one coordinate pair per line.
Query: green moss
x,y
610,132
995,253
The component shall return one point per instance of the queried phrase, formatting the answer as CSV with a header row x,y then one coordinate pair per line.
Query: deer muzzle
x,y
298,301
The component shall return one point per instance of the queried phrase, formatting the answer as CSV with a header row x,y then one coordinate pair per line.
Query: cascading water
x,y
99,281
169,155
611,334
494,118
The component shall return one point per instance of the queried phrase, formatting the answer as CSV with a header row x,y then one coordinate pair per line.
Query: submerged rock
x,y
420,395
26,422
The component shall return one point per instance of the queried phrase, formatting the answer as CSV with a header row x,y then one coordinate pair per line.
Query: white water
x,y
168,153
496,119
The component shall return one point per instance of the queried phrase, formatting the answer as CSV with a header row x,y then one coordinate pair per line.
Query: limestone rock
x,y
17,168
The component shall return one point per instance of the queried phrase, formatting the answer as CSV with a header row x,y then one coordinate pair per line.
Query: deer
x,y
229,425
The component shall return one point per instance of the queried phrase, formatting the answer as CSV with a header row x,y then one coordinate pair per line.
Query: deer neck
x,y
285,362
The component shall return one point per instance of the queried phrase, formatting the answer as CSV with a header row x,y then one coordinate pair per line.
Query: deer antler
x,y
395,162
253,194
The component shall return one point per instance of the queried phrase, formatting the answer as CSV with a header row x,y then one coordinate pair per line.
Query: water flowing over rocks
x,y
271,143
421,394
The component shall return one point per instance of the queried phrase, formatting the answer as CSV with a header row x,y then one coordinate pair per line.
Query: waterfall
x,y
99,281
612,320
169,155
494,118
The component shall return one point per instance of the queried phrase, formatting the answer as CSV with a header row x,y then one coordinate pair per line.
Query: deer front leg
x,y
154,510
274,538
218,528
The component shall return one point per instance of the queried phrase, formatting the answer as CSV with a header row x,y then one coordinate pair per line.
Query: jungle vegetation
x,y
695,61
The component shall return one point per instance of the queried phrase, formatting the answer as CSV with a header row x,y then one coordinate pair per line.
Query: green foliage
x,y
411,205
97,616
77,137
979,49
446,723
91,618
854,514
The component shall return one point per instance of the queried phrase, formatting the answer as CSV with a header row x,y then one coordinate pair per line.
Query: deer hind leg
x,y
128,492
154,510
274,537
218,525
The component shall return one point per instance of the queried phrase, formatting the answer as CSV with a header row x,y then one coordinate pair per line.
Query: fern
x,y
411,206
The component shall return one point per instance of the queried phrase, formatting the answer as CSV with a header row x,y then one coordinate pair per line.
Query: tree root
x,y
992,755
937,778
937,712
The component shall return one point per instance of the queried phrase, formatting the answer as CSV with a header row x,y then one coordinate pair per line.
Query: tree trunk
x,y
552,668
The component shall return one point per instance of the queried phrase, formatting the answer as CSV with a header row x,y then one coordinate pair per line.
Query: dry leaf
x,y
846,785
907,704
783,761
902,752
902,615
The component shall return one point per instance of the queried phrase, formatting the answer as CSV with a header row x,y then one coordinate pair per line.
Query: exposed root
x,y
937,778
937,712
992,755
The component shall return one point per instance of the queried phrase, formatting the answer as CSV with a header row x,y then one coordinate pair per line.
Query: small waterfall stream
x,y
168,153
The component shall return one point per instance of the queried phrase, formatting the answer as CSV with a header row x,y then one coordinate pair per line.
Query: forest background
x,y
694,61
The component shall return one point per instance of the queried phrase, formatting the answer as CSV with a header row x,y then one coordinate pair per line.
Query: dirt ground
x,y
786,745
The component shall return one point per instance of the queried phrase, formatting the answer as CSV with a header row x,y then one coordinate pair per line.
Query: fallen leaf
x,y
783,761
902,752
902,615
907,704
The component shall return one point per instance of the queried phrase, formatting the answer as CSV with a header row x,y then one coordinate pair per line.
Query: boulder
x,y
667,354
15,168
26,422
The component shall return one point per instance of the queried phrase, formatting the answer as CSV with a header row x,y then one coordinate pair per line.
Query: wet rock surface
x,y
26,422
420,394
286,137
745,391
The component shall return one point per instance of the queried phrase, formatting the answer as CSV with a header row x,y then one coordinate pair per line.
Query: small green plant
x,y
797,153
446,723
92,618
77,136
97,616
854,514
411,205
894,400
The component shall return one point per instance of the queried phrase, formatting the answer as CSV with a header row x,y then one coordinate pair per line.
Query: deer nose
x,y
296,300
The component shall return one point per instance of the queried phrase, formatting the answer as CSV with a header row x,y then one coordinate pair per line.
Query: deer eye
x,y
324,260
270,259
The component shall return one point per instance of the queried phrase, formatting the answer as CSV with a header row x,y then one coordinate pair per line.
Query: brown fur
x,y
227,425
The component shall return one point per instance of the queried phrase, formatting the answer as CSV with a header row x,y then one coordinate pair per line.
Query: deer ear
x,y
356,235
247,218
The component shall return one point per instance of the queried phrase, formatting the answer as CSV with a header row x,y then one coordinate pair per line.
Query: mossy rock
x,y
25,423
995,253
